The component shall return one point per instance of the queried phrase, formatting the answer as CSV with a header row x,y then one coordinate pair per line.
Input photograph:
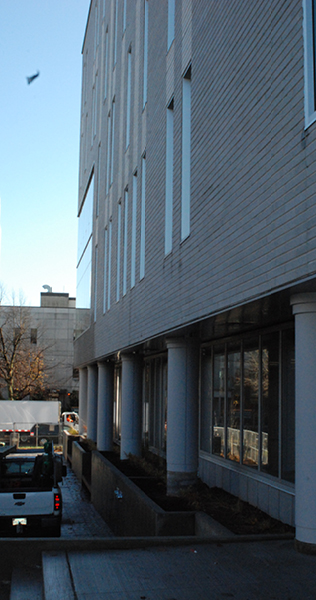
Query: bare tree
x,y
22,369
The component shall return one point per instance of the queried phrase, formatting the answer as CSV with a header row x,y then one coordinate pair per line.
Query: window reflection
x,y
233,405
248,402
206,401
270,404
250,410
219,405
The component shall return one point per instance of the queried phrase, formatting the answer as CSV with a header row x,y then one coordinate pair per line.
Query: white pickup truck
x,y
30,496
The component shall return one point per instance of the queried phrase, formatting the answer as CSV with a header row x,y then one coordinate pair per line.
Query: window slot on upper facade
x,y
309,30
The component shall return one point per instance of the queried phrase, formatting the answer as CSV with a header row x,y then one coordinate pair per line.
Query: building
x,y
51,328
197,247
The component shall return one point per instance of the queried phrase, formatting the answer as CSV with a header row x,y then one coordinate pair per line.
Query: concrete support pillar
x,y
182,415
304,309
92,402
83,391
131,419
105,406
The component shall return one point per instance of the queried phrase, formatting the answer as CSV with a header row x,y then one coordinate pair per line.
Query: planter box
x,y
68,440
81,464
127,509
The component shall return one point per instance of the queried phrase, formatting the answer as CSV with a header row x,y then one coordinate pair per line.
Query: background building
x,y
51,327
197,243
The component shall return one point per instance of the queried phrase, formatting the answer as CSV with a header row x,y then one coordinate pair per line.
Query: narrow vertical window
x,y
112,142
133,240
106,54
309,31
86,142
105,270
95,107
142,221
109,264
118,261
125,241
186,156
96,28
97,204
171,14
108,161
115,33
145,66
95,282
93,113
124,16
128,96
169,179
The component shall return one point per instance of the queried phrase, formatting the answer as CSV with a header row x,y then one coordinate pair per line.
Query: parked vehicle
x,y
30,495
30,422
70,420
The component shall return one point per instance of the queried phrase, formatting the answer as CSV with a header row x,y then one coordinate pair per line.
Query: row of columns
x,y
96,410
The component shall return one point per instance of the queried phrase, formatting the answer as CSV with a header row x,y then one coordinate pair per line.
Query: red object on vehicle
x,y
57,502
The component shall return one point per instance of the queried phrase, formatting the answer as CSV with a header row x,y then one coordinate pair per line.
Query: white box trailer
x,y
32,418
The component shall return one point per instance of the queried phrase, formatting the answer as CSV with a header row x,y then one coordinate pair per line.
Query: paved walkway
x,y
243,571
80,518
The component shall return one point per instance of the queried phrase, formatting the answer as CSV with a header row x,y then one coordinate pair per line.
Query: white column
x,y
131,419
105,406
304,309
83,384
92,402
182,415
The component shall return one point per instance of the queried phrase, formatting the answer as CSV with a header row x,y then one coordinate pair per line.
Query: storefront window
x,y
233,404
206,401
156,403
270,404
219,405
248,402
250,405
288,407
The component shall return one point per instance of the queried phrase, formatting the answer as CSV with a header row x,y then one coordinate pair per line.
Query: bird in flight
x,y
30,79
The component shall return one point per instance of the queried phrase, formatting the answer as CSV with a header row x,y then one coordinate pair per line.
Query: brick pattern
x,y
253,173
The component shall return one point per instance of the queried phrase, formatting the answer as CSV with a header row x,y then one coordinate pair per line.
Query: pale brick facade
x,y
217,90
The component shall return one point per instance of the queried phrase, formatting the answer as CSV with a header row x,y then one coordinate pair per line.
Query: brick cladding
x,y
252,167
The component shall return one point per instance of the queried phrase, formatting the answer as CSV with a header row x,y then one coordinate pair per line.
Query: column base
x,y
178,480
305,547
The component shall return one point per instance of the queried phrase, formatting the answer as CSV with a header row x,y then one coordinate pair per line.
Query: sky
x,y
39,144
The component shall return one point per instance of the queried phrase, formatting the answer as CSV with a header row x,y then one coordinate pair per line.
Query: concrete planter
x,y
81,464
68,440
127,509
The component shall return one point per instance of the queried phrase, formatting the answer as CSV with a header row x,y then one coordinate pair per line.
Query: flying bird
x,y
30,79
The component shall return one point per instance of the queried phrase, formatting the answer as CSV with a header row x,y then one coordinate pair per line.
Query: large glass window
x,y
270,404
233,403
288,407
206,400
155,422
248,402
219,404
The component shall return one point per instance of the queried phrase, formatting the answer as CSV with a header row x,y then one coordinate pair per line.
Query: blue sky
x,y
39,144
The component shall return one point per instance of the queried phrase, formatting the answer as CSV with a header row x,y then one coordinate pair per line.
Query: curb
x,y
95,544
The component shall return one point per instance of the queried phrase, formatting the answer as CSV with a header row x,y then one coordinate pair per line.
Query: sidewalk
x,y
244,571
80,518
